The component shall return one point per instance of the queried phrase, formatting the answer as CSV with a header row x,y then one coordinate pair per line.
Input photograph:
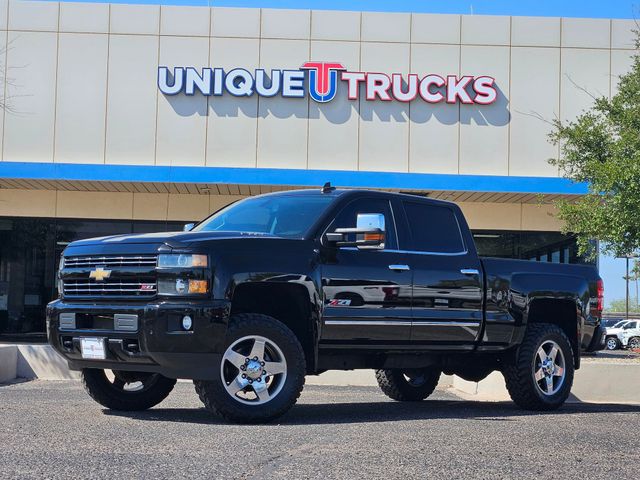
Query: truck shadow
x,y
384,411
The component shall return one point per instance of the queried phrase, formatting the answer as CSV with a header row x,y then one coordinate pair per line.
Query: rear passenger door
x,y
447,276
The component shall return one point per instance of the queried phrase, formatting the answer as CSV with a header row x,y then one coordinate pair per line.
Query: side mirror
x,y
188,227
369,233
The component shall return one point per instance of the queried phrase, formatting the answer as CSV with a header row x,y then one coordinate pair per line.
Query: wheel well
x,y
289,303
562,313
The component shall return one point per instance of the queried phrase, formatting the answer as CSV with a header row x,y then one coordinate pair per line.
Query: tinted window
x,y
535,246
281,215
433,228
348,215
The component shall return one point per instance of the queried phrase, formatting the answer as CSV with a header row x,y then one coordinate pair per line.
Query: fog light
x,y
197,286
181,286
187,323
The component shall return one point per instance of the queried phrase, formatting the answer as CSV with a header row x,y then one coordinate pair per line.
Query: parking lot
x,y
53,430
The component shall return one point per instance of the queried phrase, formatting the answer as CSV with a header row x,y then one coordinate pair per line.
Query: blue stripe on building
x,y
289,177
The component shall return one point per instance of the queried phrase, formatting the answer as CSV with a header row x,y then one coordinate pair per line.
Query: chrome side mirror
x,y
369,233
188,227
373,228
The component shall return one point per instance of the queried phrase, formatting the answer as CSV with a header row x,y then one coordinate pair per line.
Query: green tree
x,y
619,305
602,147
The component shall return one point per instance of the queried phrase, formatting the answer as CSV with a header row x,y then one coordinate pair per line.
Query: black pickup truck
x,y
276,287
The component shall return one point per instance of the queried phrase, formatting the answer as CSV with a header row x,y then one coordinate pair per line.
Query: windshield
x,y
280,215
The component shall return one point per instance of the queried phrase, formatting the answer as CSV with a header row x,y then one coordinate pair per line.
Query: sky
x,y
612,270
553,8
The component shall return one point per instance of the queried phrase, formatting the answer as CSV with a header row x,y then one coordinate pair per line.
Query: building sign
x,y
319,80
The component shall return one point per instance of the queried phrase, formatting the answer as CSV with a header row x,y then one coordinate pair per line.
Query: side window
x,y
347,217
433,228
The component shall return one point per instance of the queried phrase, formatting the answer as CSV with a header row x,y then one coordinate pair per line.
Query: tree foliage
x,y
602,147
619,305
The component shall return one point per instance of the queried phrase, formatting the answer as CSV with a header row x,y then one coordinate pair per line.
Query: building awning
x,y
252,181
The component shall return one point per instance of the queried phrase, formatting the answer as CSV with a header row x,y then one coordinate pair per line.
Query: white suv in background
x,y
629,335
612,341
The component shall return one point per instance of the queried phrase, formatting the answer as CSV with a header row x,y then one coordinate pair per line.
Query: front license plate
x,y
93,348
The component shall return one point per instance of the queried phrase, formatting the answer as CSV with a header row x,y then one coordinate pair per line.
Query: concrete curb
x,y
596,381
33,361
359,378
43,362
8,363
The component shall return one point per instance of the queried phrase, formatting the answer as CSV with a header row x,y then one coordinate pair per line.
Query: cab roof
x,y
341,192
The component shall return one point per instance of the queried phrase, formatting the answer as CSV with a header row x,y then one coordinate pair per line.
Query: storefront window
x,y
536,246
30,250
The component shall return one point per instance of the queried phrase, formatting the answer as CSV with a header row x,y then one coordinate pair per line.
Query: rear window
x,y
433,228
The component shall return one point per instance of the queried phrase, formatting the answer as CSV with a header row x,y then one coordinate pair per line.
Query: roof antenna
x,y
327,188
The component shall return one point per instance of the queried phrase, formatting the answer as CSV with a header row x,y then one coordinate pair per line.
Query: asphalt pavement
x,y
54,430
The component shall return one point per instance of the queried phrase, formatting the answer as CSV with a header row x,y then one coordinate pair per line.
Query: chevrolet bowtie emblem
x,y
99,274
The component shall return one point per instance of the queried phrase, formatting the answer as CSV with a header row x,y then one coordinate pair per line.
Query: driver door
x,y
366,292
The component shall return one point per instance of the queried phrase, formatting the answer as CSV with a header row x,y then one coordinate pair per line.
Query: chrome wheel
x,y
612,343
549,368
130,381
415,378
634,343
253,370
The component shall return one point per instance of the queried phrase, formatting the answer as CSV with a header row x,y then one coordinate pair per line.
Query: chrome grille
x,y
107,288
93,261
127,276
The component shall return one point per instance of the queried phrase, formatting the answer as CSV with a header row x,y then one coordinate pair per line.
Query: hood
x,y
173,239
611,330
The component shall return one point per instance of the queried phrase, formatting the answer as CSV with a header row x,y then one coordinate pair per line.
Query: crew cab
x,y
275,287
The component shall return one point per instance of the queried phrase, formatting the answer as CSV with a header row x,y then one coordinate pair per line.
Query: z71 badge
x,y
340,302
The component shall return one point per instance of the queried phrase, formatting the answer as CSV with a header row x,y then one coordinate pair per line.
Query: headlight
x,y
176,283
182,261
181,286
60,284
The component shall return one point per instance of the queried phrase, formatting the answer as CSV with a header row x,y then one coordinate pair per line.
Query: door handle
x,y
469,271
399,268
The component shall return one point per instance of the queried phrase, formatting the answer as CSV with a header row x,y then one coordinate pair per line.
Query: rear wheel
x,y
613,343
122,390
261,373
541,374
634,343
408,385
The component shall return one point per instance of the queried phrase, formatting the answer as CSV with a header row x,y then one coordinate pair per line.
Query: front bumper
x,y
158,344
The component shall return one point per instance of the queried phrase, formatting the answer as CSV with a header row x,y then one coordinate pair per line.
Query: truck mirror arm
x,y
340,234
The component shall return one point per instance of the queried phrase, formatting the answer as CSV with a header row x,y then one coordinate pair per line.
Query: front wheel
x,y
126,390
260,375
613,343
408,385
541,374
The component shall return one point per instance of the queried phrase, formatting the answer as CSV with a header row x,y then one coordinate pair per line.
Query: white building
x,y
91,145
